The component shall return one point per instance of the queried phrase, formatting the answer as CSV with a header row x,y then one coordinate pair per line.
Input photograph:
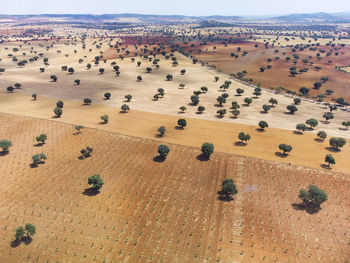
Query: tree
x,y
18,85
125,108
182,123
183,71
19,233
87,101
337,142
329,159
304,90
322,135
182,85
248,101
29,230
292,109
235,105
266,108
207,149
139,78
286,148
38,158
161,131
169,77
155,97
58,112
34,96
88,66
297,101
263,125
257,92
183,108
201,109
163,150
59,104
104,118
239,91
301,127
312,122
221,112
41,138
262,69
5,145
79,128
313,197
217,79
228,188
328,116
101,70
86,152
138,63
77,81
10,89
221,100
96,181
195,100
244,137
71,70
236,113
346,124
148,69
204,89
161,92
273,102
54,78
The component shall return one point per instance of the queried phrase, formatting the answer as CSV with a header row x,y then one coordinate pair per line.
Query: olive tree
x,y
41,138
228,189
292,109
337,142
163,150
28,229
5,145
273,102
38,158
313,197
96,181
263,125
301,127
86,152
286,148
207,149
312,122
182,123
244,137
128,97
183,108
58,112
125,108
248,101
328,116
322,135
104,118
107,95
330,160
161,131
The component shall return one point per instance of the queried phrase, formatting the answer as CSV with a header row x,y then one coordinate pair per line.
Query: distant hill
x,y
211,21
315,17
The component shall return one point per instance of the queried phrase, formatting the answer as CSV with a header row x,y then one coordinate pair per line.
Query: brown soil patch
x,y
159,211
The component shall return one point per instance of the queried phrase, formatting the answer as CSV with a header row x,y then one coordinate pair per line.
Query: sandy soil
x,y
159,211
306,150
94,85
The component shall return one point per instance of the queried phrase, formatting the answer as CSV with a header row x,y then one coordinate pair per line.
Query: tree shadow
x,y
202,157
25,240
90,192
318,140
180,112
39,144
158,135
55,117
159,159
102,123
3,153
288,113
179,127
259,130
240,144
123,112
223,197
263,112
326,166
279,154
219,116
218,105
343,129
298,132
332,149
308,209
233,117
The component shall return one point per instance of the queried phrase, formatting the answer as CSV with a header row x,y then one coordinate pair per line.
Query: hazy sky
x,y
181,7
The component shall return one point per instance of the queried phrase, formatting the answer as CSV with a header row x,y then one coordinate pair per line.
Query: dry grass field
x,y
151,211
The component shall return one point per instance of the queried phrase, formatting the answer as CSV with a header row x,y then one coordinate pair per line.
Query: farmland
x,y
158,211
252,111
